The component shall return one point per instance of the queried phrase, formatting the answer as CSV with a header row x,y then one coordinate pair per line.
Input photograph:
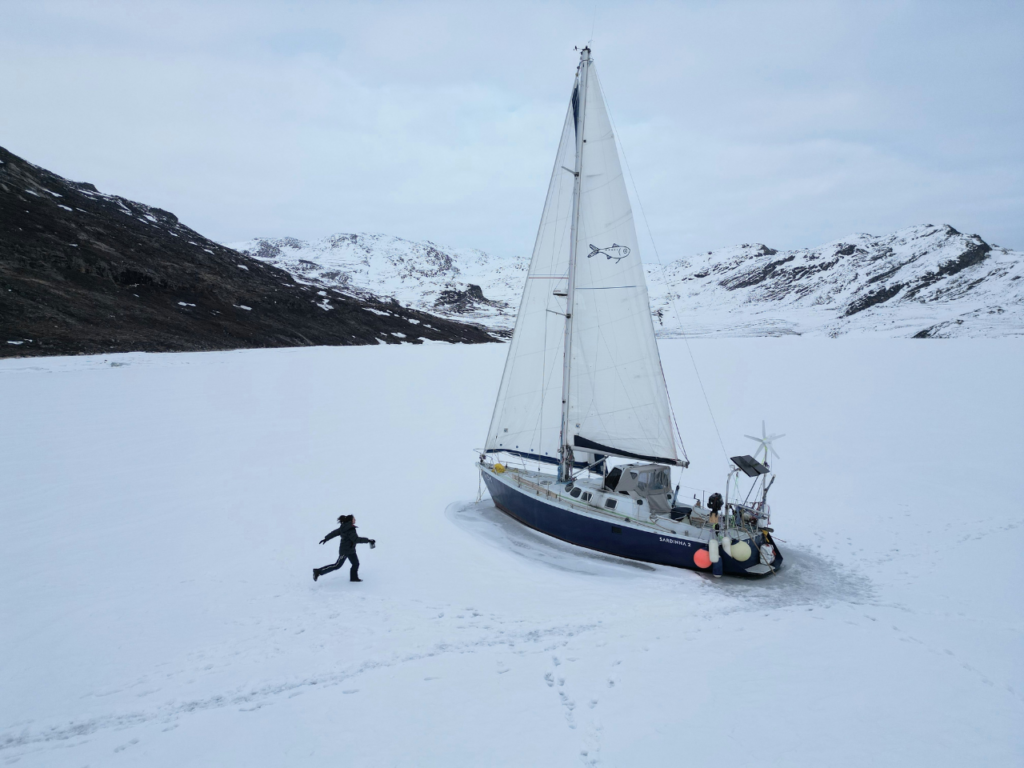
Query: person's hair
x,y
345,519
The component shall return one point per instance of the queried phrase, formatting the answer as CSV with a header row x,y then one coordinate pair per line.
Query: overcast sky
x,y
789,123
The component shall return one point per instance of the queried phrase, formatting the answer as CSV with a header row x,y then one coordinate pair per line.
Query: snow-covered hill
x,y
459,283
921,281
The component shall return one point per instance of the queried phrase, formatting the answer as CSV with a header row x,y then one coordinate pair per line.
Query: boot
x,y
354,575
316,574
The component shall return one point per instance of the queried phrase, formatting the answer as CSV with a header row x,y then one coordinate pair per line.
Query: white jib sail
x,y
527,415
617,393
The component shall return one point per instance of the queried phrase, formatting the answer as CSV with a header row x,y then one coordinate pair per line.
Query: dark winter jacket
x,y
349,538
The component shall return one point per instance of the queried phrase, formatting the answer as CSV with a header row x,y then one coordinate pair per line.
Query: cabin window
x,y
652,480
586,496
639,502
610,503
575,493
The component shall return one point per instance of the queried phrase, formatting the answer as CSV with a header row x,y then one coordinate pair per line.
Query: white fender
x,y
767,554
713,549
740,551
727,546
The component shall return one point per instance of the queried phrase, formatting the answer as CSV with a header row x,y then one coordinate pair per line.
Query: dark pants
x,y
352,557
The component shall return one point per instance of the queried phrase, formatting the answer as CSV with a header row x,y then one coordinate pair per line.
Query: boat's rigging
x,y
612,399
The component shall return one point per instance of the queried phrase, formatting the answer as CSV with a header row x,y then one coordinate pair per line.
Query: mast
x,y
565,468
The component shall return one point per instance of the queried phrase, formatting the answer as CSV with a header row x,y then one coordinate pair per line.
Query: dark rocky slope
x,y
83,272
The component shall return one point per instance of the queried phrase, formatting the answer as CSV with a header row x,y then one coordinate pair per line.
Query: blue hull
x,y
606,536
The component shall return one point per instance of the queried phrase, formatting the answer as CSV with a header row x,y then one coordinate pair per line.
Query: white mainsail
x,y
617,402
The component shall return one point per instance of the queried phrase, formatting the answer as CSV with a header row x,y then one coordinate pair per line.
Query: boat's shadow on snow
x,y
485,521
806,578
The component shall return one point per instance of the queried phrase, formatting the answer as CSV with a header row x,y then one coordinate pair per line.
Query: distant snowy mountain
x,y
923,281
458,283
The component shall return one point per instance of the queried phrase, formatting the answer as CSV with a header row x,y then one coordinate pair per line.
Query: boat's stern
x,y
759,556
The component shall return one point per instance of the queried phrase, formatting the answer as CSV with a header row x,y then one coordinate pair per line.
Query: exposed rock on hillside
x,y
85,272
921,281
461,284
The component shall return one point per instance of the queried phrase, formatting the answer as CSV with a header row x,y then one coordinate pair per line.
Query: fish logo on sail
x,y
613,251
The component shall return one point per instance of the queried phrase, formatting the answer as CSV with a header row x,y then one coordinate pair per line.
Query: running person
x,y
346,549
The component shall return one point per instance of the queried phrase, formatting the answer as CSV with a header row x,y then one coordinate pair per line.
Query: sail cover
x,y
618,402
528,412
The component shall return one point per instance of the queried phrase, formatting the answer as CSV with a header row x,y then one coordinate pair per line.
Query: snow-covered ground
x,y
159,521
924,280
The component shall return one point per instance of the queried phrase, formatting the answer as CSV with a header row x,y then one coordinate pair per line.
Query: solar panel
x,y
750,466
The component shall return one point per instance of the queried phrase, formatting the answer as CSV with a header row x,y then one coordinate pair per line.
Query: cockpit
x,y
646,483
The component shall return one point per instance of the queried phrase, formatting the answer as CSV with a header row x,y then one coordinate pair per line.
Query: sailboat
x,y
583,385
